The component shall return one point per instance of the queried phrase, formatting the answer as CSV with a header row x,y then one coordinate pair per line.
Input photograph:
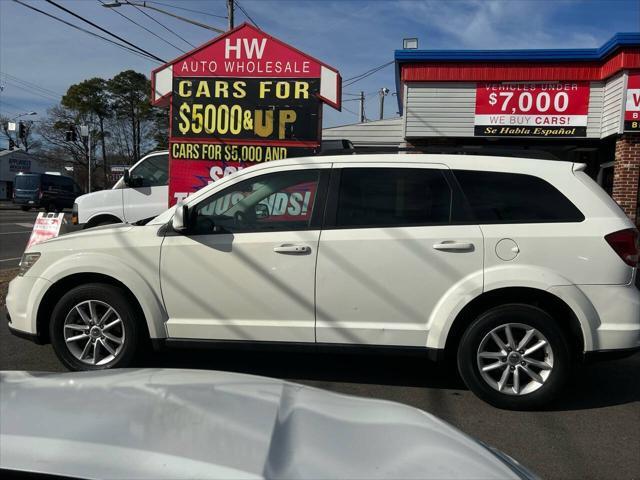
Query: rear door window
x,y
392,197
498,197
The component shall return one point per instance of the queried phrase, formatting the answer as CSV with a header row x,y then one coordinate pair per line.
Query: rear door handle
x,y
451,245
292,249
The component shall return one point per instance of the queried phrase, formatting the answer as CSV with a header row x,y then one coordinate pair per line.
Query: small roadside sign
x,y
46,226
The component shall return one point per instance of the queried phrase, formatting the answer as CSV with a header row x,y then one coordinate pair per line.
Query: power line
x,y
79,17
350,81
189,10
131,50
144,28
246,14
161,24
27,83
32,90
351,111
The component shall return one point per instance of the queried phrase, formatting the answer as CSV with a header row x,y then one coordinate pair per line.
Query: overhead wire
x,y
32,85
350,81
188,10
161,24
32,90
144,28
245,13
80,17
124,47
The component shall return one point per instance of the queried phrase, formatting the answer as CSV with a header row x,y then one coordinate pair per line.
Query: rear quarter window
x,y
498,197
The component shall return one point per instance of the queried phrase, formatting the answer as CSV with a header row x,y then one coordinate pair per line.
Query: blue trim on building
x,y
541,55
629,39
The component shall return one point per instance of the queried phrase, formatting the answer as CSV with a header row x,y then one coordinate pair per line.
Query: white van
x,y
141,193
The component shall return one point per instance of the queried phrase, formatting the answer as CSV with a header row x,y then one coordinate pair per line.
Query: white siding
x,y
439,109
386,132
612,105
448,109
594,119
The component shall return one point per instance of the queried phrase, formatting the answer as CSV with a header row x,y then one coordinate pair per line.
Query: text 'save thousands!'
x,y
531,109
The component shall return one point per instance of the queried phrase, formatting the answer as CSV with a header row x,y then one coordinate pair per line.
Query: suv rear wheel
x,y
94,327
514,356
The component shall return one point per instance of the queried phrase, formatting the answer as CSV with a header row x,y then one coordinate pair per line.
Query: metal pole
x,y
361,107
381,103
230,13
89,156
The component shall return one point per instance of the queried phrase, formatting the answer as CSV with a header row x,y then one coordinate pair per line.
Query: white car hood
x,y
161,423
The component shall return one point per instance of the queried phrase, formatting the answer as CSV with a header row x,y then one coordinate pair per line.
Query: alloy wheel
x,y
94,332
515,359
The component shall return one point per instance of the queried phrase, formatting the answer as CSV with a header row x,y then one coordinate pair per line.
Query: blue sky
x,y
353,36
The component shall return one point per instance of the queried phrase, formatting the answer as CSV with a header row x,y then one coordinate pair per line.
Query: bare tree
x,y
27,142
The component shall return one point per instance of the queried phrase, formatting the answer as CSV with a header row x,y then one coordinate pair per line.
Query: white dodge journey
x,y
516,268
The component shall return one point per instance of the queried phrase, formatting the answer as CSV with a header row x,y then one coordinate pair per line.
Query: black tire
x,y
530,316
110,295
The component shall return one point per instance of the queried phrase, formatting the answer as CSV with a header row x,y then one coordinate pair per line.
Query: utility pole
x,y
383,93
230,13
85,133
361,107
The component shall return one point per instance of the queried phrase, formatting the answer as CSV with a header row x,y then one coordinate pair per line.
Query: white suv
x,y
515,267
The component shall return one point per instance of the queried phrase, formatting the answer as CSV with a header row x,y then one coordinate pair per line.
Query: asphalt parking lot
x,y
592,432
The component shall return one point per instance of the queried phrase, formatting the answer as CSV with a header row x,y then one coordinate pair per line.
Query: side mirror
x,y
262,210
126,176
180,220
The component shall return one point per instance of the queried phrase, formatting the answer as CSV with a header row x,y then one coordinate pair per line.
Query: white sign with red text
x,y
532,109
47,226
632,105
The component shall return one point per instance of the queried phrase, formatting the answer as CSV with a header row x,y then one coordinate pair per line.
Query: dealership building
x,y
577,105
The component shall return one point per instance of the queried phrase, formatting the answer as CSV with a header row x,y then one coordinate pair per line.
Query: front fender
x,y
147,294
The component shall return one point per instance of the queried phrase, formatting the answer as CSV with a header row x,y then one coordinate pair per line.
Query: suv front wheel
x,y
94,327
514,356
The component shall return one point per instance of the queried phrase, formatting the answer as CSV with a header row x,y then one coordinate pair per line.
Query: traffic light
x,y
12,144
70,134
22,131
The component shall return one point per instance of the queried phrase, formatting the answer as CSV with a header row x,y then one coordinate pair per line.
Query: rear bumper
x,y
609,315
27,202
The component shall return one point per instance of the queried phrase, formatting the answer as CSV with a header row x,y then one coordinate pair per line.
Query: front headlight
x,y
27,261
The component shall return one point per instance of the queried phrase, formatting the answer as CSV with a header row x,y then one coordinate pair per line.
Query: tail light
x,y
74,214
626,243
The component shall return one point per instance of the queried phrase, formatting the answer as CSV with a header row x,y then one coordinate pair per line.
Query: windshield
x,y
27,182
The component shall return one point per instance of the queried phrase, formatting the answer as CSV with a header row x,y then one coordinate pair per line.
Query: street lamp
x,y
117,3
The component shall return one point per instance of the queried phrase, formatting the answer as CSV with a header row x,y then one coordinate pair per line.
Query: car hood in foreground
x,y
161,423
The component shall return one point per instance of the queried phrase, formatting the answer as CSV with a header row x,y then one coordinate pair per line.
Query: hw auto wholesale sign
x,y
632,106
549,110
240,100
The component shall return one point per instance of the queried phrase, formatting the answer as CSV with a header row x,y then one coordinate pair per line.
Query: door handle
x,y
292,249
455,246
